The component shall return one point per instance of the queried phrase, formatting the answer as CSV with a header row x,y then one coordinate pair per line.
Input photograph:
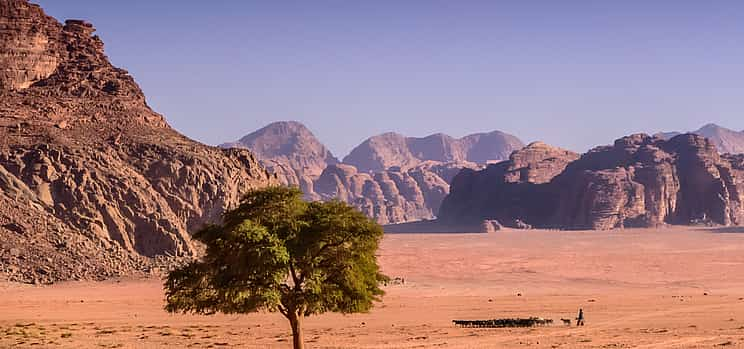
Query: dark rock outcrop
x,y
640,181
87,168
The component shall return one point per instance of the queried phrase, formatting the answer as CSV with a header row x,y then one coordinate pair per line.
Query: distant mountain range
x,y
392,149
391,177
397,179
727,141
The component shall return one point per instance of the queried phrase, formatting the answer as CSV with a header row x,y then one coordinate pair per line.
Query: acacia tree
x,y
275,252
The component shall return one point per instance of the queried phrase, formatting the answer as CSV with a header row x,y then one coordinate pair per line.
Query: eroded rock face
x,y
640,181
537,163
387,196
38,247
82,153
388,150
391,196
29,53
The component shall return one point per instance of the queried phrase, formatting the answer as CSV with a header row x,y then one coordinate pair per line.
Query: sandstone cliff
x,y
391,196
639,181
507,191
88,171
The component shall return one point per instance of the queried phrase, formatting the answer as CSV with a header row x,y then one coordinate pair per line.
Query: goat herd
x,y
500,323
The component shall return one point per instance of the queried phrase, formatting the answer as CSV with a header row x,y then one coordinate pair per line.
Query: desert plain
x,y
640,288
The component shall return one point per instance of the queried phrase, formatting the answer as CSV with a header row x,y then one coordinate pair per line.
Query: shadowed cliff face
x,y
82,157
508,191
640,181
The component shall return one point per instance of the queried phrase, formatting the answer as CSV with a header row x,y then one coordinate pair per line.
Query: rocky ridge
x,y
394,150
727,141
639,181
88,172
406,187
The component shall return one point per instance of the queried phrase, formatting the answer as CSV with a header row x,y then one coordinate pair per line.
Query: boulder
x,y
490,226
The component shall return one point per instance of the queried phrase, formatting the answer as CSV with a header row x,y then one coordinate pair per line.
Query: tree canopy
x,y
275,252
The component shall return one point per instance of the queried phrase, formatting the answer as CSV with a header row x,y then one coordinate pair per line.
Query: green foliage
x,y
241,272
335,259
276,252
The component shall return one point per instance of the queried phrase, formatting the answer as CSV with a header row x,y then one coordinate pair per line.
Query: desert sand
x,y
646,288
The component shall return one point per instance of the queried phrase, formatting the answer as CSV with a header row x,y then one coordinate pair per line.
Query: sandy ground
x,y
668,288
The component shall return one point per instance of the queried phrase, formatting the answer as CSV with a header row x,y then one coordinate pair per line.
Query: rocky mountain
x,y
639,181
400,188
388,150
727,141
93,183
289,150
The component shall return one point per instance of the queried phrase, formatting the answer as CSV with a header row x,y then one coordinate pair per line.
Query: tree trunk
x,y
295,321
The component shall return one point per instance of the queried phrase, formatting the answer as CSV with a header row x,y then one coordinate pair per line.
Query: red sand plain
x,y
640,288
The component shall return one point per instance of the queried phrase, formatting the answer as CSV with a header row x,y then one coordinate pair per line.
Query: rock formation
x,y
727,141
391,196
508,191
388,150
490,226
639,181
93,183
409,188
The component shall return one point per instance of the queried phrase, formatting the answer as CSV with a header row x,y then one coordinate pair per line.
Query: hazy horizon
x,y
349,71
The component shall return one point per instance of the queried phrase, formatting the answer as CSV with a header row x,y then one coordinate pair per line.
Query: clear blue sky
x,y
571,73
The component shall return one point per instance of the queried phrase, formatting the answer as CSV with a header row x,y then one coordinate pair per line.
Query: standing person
x,y
580,318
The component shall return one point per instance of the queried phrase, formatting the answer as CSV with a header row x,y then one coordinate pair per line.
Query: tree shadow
x,y
430,227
